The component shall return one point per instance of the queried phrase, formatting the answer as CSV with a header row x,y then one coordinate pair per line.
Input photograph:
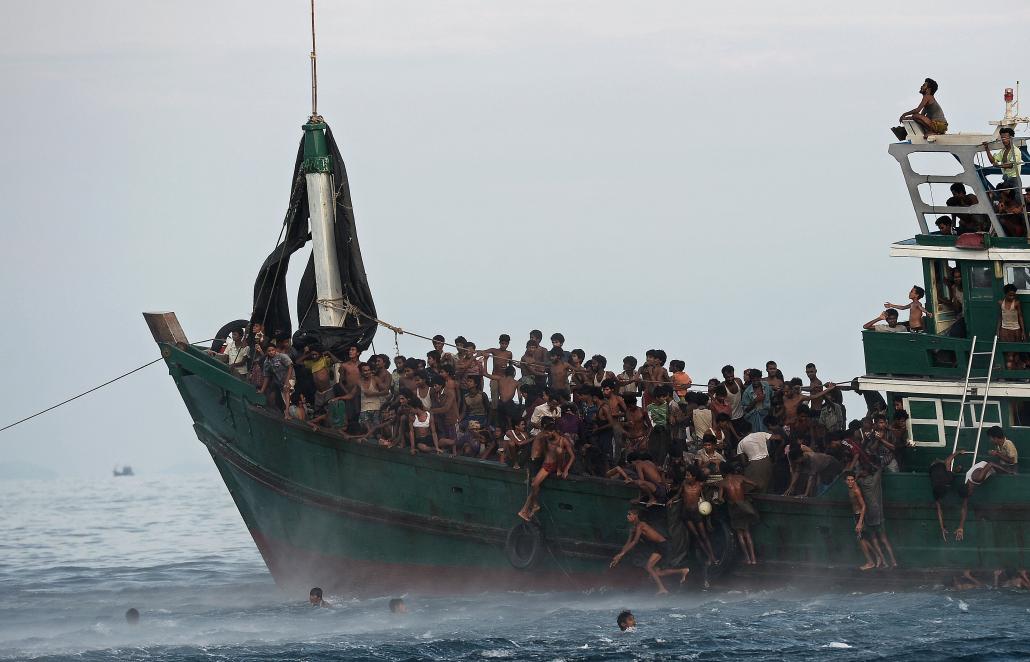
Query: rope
x,y
349,308
95,388
76,397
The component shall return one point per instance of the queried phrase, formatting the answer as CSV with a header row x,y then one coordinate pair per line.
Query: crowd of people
x,y
556,413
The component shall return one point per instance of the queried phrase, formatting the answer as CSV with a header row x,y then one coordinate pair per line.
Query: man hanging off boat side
x,y
928,113
557,454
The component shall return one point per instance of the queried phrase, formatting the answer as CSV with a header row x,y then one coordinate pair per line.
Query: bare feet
x,y
523,515
683,575
662,592
868,566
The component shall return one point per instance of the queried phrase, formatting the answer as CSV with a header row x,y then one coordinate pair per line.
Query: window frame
x,y
945,426
1008,274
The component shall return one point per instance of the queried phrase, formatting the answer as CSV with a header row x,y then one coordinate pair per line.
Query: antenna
x,y
314,70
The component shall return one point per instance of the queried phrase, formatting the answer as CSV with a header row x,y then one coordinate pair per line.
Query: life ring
x,y
524,545
223,333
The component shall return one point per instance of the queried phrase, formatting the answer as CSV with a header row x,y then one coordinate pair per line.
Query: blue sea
x,y
76,554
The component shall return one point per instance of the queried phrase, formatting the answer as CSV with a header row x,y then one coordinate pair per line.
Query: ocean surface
x,y
76,554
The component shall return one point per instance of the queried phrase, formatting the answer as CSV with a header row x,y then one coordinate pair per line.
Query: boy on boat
x,y
915,309
742,512
657,547
558,456
859,509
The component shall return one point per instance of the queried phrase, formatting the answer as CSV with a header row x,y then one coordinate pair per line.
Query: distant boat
x,y
124,471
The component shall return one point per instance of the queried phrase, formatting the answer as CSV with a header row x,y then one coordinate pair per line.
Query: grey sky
x,y
712,181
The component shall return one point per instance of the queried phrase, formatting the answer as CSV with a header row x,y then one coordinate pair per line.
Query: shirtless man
x,y
502,357
503,389
976,476
534,360
792,397
444,357
691,494
350,376
815,387
467,363
636,427
445,413
653,374
658,547
558,456
858,508
742,514
558,372
610,415
915,309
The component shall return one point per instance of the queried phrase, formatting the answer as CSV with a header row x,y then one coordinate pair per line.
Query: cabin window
x,y
932,422
1019,413
925,421
981,281
1018,275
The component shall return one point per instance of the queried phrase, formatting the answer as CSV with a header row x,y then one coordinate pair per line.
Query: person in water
x,y
626,620
315,598
657,546
397,606
928,113
132,616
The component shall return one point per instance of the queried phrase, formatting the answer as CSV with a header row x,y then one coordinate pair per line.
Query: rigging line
x,y
351,309
95,388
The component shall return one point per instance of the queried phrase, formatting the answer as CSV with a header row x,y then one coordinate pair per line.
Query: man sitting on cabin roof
x,y
928,113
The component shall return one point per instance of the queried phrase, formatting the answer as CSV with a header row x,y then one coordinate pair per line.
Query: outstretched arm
x,y
631,542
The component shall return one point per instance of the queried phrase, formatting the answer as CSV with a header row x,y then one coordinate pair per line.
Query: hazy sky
x,y
709,180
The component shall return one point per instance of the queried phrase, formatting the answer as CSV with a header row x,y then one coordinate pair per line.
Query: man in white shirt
x,y
755,447
550,408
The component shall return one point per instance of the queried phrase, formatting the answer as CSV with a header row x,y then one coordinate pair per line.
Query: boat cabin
x,y
956,380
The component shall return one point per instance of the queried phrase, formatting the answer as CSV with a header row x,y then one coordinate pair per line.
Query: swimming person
x,y
315,598
397,606
132,616
626,620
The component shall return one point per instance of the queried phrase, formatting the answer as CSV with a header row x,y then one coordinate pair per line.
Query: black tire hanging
x,y
223,333
724,545
524,545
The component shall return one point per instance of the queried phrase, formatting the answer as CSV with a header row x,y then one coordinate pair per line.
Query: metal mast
x,y
318,174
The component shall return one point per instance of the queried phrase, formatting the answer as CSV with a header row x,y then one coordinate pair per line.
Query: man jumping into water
x,y
658,547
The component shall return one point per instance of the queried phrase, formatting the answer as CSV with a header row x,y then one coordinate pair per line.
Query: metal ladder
x,y
965,392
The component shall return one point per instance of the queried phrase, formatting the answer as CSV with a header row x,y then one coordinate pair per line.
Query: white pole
x,y
321,211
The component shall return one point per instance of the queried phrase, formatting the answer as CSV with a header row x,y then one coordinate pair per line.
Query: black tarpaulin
x,y
271,301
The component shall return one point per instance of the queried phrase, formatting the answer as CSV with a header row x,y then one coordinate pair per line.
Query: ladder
x,y
965,393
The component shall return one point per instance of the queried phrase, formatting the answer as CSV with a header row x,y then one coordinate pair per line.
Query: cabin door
x,y
981,300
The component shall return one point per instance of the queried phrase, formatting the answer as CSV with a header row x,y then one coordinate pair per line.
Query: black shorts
x,y
659,548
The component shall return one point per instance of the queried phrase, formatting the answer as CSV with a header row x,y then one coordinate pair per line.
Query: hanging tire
x,y
724,546
223,333
524,545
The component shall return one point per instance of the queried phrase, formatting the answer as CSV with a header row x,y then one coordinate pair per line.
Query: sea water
x,y
76,554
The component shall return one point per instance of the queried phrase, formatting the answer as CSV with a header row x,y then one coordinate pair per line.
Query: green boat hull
x,y
368,520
